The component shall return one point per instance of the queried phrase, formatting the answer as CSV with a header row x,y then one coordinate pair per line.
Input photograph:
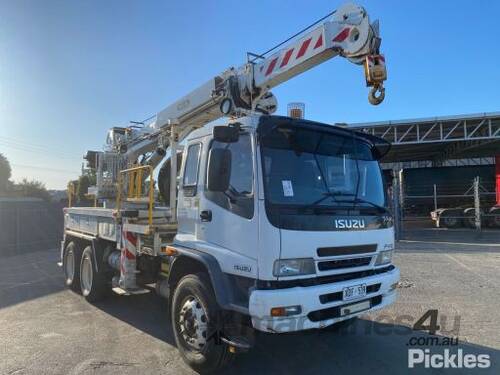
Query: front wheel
x,y
194,315
449,222
495,221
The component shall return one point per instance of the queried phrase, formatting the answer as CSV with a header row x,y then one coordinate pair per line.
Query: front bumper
x,y
261,302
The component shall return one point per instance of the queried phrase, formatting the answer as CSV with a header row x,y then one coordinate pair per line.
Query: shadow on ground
x,y
366,347
27,276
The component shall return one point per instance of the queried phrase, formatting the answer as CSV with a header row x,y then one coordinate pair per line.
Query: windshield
x,y
312,168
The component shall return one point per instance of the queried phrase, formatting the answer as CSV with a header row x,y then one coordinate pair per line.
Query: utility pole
x,y
435,198
396,205
477,204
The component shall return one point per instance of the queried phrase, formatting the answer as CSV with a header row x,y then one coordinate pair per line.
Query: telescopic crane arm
x,y
239,91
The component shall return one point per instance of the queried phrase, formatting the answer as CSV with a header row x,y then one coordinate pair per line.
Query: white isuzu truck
x,y
260,222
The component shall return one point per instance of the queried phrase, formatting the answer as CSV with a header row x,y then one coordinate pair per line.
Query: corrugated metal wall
x,y
28,225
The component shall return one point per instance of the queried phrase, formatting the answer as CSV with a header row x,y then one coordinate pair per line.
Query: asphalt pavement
x,y
47,329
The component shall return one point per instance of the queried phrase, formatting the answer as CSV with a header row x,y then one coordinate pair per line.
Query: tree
x,y
5,172
88,178
33,189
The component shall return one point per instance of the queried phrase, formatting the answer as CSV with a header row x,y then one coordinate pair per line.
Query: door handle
x,y
206,215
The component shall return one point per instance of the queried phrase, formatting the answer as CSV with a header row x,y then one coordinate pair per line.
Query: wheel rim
x,y
450,221
86,274
69,265
192,322
496,221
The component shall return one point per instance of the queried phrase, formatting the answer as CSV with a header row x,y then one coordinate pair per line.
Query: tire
x,y
470,218
449,222
495,221
194,317
92,284
71,266
495,218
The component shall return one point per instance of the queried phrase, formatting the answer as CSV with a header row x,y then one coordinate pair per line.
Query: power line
x,y
44,151
44,168
31,146
22,141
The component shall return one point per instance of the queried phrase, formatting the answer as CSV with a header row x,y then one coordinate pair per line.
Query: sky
x,y
69,70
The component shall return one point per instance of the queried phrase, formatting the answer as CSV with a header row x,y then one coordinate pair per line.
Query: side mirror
x,y
379,146
219,169
226,134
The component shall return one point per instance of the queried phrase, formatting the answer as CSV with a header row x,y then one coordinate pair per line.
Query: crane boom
x,y
347,32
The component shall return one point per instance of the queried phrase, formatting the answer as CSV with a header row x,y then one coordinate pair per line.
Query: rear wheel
x,y
470,218
92,283
71,266
194,316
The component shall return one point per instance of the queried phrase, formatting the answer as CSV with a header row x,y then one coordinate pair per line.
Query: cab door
x,y
228,220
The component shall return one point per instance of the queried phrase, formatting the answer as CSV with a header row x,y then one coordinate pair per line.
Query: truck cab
x,y
295,215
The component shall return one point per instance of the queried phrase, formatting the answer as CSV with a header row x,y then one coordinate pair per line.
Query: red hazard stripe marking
x,y
271,66
287,56
319,42
129,255
131,238
342,35
303,48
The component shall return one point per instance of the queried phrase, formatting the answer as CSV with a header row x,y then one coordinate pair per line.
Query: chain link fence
x,y
421,203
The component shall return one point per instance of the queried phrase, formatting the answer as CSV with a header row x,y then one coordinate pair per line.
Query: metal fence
x,y
29,225
468,206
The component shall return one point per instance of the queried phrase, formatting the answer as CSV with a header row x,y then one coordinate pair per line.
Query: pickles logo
x,y
448,359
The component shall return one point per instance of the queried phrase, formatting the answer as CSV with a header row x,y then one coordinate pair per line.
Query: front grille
x,y
337,296
321,280
346,250
344,263
334,312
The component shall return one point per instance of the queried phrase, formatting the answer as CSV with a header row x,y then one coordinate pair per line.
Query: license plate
x,y
353,292
354,308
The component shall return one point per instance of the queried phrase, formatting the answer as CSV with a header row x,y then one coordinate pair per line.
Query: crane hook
x,y
375,99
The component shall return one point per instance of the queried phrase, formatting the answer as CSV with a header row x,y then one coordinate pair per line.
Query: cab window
x,y
239,197
190,179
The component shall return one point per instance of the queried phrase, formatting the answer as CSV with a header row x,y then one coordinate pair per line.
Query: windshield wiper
x,y
330,194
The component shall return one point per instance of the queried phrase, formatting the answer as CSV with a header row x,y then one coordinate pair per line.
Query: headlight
x,y
387,221
293,267
384,257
